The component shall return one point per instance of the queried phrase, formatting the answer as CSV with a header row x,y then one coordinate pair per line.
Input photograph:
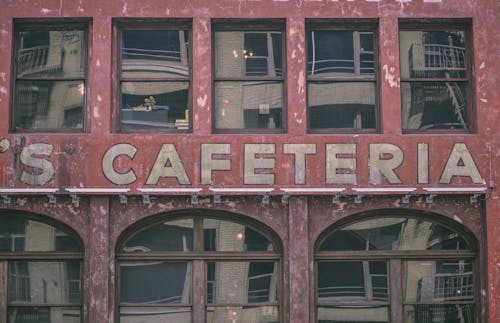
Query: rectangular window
x,y
249,76
154,76
341,76
50,61
435,76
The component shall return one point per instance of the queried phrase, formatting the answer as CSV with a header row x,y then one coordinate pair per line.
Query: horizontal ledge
x,y
478,189
97,190
384,189
310,190
170,190
240,190
28,190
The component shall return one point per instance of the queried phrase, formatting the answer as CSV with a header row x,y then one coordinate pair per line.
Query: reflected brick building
x,y
249,161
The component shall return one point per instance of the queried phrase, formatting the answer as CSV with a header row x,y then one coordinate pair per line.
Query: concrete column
x,y
98,263
299,260
296,76
389,76
202,78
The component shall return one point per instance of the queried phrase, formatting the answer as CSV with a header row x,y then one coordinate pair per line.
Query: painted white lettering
x,y
168,154
253,163
108,161
460,163
299,151
208,164
423,163
44,168
340,168
384,158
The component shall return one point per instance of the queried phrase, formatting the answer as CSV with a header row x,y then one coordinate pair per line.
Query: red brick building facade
x,y
249,161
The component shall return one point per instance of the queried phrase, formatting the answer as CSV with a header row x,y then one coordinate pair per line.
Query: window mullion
x,y
3,291
396,290
198,300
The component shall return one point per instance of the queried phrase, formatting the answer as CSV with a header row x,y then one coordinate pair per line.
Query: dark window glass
x,y
221,235
257,281
341,80
44,314
50,78
394,234
155,282
352,281
44,282
40,290
18,234
240,283
401,268
168,236
434,79
155,78
249,79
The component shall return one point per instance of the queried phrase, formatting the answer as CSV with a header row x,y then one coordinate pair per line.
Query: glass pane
x,y
165,236
336,53
241,54
394,233
439,313
242,282
233,314
432,54
341,105
352,281
149,282
44,315
44,282
49,104
18,234
434,105
439,280
354,314
149,54
44,53
248,105
220,235
155,105
155,314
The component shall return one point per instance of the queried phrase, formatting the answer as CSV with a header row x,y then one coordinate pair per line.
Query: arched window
x,y
396,267
194,268
40,270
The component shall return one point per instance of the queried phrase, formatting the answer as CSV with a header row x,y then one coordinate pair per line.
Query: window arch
x,y
396,266
179,266
40,270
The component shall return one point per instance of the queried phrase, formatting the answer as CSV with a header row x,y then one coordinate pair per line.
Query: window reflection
x,y
44,314
154,74
44,282
220,235
440,280
242,103
341,79
50,79
354,314
241,282
436,285
155,282
166,236
434,79
352,281
17,234
394,234
155,54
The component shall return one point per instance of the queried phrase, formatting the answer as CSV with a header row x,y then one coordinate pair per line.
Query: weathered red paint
x,y
100,220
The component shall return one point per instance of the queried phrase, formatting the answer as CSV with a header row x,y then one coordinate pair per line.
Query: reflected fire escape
x,y
439,61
